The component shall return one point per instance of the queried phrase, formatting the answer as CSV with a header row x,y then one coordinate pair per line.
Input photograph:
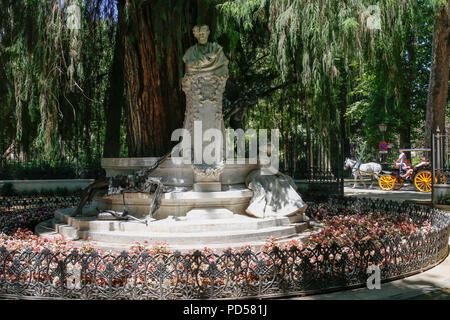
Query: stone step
x,y
110,241
177,237
69,232
173,224
205,238
217,225
201,226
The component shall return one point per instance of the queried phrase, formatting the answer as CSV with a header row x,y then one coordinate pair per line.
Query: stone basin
x,y
178,175
235,199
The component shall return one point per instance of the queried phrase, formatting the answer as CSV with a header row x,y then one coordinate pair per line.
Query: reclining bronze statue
x,y
139,181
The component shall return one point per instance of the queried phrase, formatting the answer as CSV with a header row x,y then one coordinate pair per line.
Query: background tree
x,y
439,77
313,69
156,35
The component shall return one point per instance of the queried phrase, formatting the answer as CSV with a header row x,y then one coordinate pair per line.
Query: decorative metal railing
x,y
321,184
231,274
40,169
317,175
23,203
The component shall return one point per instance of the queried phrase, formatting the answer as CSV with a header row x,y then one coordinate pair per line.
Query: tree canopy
x,y
317,70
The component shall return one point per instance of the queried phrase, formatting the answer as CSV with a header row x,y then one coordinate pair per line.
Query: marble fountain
x,y
214,203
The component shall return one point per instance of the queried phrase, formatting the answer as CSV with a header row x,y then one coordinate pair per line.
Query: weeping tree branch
x,y
244,103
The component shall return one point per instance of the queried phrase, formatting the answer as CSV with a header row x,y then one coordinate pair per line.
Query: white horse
x,y
363,169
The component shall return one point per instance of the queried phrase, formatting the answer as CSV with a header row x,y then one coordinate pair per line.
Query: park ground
x,y
408,193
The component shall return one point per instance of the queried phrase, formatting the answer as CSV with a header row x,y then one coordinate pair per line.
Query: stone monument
x,y
202,202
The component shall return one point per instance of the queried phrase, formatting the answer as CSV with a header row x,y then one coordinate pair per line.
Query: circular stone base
x,y
184,219
222,229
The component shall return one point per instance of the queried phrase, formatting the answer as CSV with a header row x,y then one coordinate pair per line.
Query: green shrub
x,y
40,170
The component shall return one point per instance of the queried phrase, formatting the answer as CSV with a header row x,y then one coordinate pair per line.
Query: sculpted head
x,y
201,33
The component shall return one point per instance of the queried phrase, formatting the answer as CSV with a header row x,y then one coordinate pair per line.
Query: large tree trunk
x,y
115,99
157,34
438,87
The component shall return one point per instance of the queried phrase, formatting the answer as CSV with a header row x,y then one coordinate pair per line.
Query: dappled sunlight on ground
x,y
443,294
398,195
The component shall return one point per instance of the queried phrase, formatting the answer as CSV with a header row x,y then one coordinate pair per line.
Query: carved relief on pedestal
x,y
203,91
208,171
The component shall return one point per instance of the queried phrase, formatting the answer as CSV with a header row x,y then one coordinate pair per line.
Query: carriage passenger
x,y
404,164
423,162
401,159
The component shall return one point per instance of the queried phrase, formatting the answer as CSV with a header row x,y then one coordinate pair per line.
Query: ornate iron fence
x,y
231,274
320,184
39,169
23,203
319,163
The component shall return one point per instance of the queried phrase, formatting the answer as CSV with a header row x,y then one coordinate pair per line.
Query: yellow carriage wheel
x,y
422,181
387,182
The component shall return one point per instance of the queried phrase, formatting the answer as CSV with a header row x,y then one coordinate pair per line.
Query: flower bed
x,y
28,219
348,225
404,239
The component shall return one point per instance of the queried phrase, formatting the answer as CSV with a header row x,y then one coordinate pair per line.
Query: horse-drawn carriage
x,y
420,175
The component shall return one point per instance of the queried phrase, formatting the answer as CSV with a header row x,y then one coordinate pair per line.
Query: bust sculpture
x,y
205,56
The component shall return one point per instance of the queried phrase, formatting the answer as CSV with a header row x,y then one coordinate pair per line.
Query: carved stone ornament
x,y
205,170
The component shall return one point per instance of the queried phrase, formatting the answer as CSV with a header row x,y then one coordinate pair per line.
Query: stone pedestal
x,y
204,93
204,121
207,178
